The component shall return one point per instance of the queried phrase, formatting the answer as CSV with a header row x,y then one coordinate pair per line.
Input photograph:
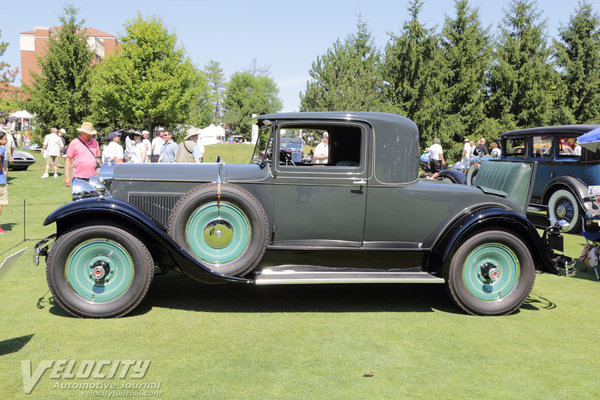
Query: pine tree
x,y
522,81
409,75
60,94
346,77
466,50
578,58
217,85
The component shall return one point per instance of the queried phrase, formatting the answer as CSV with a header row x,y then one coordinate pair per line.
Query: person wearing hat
x,y
113,150
157,144
436,158
61,135
51,148
148,144
189,151
137,152
83,153
321,155
466,154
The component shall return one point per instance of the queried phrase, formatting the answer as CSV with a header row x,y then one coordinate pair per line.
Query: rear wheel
x,y
491,273
563,205
99,271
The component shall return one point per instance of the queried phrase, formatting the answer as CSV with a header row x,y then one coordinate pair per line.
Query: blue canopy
x,y
590,140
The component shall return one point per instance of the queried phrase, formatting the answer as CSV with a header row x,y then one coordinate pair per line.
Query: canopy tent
x,y
211,134
590,140
23,114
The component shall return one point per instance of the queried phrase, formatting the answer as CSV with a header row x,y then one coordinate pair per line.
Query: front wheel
x,y
491,273
99,271
563,206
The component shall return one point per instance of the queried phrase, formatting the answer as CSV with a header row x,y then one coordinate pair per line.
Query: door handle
x,y
362,182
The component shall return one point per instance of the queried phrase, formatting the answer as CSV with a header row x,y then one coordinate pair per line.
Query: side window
x,y
514,147
542,147
318,146
568,147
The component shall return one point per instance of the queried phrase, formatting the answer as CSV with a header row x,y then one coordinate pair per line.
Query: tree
x,y
578,58
346,77
256,70
59,95
217,85
522,81
409,75
149,82
7,75
465,56
247,94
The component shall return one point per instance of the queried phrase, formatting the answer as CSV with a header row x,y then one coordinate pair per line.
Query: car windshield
x,y
292,144
264,145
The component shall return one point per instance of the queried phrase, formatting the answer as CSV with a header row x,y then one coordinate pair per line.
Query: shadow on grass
x,y
8,226
14,345
186,294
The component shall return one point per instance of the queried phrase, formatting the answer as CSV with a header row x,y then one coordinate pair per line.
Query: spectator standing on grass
x,y
186,149
10,145
148,144
52,148
3,172
466,154
157,144
113,150
61,134
137,152
168,151
436,158
482,148
83,153
321,155
495,150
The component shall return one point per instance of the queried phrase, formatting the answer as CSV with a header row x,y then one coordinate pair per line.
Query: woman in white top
x,y
138,149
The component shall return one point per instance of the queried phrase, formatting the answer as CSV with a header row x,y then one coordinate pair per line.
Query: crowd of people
x,y
470,150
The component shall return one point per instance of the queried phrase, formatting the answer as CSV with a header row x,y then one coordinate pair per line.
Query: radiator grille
x,y
157,205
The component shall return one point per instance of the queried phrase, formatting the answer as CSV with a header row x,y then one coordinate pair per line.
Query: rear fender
x,y
80,213
478,220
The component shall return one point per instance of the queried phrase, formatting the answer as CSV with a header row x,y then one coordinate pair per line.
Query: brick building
x,y
34,43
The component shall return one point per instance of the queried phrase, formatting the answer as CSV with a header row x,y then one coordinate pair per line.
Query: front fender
x,y
131,218
454,176
577,187
489,219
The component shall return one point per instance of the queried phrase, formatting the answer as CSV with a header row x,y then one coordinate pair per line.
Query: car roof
x,y
573,129
367,116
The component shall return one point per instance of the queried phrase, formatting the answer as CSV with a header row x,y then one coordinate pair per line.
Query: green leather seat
x,y
511,179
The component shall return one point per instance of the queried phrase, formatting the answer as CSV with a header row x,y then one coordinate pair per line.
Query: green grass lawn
x,y
296,342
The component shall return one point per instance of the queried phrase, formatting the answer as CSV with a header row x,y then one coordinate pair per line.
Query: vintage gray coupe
x,y
361,216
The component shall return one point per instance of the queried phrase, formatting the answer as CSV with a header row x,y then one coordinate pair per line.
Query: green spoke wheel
x,y
99,271
491,273
227,233
218,234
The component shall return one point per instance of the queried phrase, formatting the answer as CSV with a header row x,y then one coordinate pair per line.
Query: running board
x,y
295,274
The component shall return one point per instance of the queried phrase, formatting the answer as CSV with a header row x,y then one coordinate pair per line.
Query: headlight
x,y
81,189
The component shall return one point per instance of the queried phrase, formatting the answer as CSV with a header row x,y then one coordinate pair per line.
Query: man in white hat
x,y
83,153
52,147
185,150
148,144
157,144
321,155
466,154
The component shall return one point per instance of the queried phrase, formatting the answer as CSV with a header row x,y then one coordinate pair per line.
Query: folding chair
x,y
592,238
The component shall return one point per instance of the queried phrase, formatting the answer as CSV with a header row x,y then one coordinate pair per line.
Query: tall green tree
x,y
465,57
247,94
347,77
578,58
60,95
149,82
409,72
217,85
521,81
7,75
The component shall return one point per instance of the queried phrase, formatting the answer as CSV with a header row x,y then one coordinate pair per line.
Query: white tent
x,y
23,114
211,134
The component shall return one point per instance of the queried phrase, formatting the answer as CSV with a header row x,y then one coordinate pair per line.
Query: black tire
x,y
241,221
563,205
78,254
469,278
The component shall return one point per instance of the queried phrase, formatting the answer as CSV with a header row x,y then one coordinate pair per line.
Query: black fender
x,y
576,186
454,176
480,219
130,218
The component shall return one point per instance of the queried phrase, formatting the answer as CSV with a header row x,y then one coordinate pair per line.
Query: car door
x,y
321,204
541,151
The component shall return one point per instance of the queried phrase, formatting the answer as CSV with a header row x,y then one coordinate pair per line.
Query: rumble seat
x,y
511,179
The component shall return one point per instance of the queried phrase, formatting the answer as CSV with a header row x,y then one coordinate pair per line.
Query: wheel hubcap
x,y
491,271
565,210
218,234
99,270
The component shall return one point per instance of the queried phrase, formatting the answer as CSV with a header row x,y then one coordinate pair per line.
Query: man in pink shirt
x,y
83,153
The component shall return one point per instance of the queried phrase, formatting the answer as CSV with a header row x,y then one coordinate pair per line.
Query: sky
x,y
286,36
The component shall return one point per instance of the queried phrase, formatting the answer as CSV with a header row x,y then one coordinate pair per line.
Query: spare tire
x,y
228,235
